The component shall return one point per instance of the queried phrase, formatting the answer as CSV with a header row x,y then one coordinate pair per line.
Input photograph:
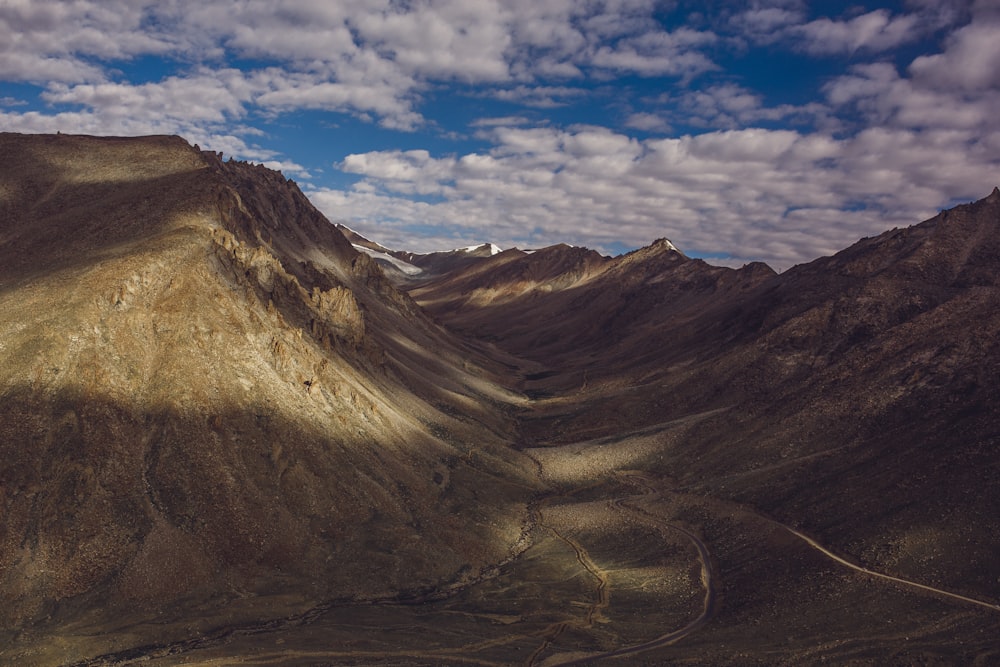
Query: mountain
x,y
210,396
578,311
397,270
852,398
231,437
406,268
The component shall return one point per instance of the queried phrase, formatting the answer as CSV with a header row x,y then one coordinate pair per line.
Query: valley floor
x,y
625,566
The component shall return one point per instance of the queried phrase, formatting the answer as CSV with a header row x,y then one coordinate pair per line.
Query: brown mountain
x,y
228,439
212,401
584,316
853,397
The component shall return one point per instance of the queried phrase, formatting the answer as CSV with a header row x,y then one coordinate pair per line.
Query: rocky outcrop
x,y
210,396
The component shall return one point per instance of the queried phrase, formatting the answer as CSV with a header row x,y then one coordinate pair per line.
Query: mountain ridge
x,y
231,437
223,395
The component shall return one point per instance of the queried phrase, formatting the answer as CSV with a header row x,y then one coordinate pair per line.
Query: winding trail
x,y
594,609
708,582
708,607
879,575
640,479
582,557
645,481
648,491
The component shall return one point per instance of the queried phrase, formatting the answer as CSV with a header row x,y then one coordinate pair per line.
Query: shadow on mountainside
x,y
119,515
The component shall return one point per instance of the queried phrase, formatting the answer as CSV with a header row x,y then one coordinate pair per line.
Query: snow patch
x,y
381,247
494,248
404,267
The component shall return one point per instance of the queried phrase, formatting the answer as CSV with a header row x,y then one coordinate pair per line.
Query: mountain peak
x,y
664,244
480,250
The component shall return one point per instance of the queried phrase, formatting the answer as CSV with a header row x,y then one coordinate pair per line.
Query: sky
x,y
762,130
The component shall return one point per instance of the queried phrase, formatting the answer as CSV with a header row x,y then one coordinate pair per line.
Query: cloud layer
x,y
759,131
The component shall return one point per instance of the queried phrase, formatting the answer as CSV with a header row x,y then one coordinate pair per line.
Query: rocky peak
x,y
664,244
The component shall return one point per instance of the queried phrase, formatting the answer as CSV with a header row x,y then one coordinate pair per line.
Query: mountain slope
x,y
228,439
580,313
209,394
853,396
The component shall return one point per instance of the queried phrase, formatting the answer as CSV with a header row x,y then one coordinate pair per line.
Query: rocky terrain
x,y
211,400
229,437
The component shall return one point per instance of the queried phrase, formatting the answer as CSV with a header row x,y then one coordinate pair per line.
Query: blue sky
x,y
773,130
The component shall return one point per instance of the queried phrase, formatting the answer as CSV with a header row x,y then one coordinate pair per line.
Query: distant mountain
x,y
234,433
562,305
395,269
436,263
407,268
854,396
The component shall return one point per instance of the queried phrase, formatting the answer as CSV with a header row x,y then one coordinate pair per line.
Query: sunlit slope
x,y
207,394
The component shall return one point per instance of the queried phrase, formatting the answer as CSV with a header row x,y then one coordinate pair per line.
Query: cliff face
x,y
207,393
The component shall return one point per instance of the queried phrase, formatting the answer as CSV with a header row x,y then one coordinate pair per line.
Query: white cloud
x,y
49,40
361,57
19,66
205,96
765,24
855,32
410,172
971,61
390,100
776,195
460,39
501,121
540,97
873,32
659,53
649,122
729,106
957,89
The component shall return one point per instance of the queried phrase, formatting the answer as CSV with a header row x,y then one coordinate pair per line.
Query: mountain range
x,y
235,433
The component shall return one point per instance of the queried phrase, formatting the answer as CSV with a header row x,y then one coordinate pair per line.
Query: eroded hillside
x,y
227,438
210,398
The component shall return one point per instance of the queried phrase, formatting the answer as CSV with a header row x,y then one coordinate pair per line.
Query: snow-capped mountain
x,y
406,267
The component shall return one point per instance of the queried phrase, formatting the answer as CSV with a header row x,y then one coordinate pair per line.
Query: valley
x,y
231,438
618,567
